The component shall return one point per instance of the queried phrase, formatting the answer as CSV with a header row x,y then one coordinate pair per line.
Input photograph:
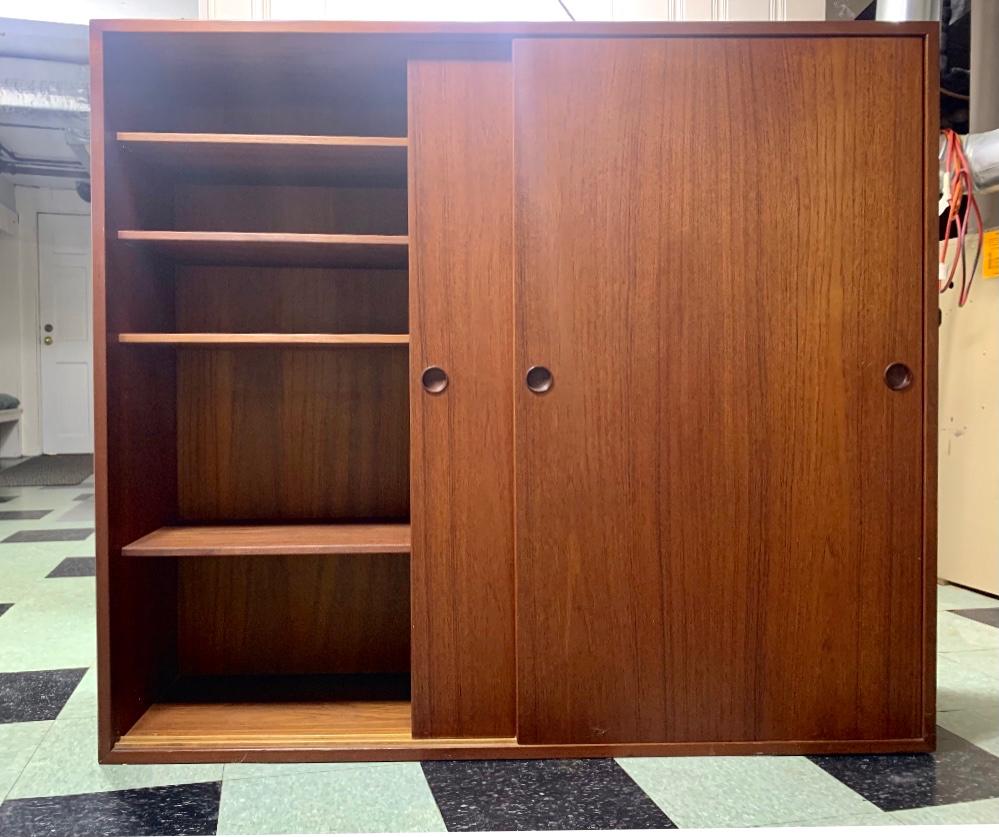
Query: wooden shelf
x,y
231,339
203,711
356,715
305,539
373,161
259,248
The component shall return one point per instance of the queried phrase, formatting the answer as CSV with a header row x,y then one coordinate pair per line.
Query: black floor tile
x,y
74,567
4,607
43,535
174,810
957,772
28,514
988,615
36,695
541,795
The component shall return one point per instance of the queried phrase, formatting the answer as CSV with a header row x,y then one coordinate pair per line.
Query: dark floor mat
x,y
60,469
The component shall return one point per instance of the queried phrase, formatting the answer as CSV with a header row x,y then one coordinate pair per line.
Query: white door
x,y
65,333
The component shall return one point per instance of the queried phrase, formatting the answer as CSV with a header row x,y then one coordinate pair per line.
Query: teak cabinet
x,y
514,390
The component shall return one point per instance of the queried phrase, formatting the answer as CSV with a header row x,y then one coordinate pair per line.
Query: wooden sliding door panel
x,y
461,319
719,249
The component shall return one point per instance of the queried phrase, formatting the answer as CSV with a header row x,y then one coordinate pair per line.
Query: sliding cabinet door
x,y
461,354
719,250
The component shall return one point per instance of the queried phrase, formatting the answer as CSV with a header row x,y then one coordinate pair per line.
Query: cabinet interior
x,y
257,318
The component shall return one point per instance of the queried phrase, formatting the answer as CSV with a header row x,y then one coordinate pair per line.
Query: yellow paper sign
x,y
990,254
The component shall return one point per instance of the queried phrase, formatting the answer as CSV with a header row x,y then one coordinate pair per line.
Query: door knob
x,y
47,340
539,379
898,376
434,380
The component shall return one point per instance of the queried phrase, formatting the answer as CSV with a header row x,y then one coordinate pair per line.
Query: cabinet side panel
x,y
460,180
931,384
135,419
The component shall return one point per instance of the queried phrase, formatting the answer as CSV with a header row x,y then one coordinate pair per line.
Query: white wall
x,y
968,463
514,9
83,11
10,328
19,326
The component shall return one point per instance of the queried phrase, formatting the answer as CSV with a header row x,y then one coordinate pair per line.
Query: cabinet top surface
x,y
534,29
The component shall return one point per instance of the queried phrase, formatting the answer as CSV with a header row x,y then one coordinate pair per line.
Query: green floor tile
x,y
960,685
958,633
980,730
83,702
985,660
251,770
951,597
52,628
352,798
982,812
731,791
23,566
879,819
18,743
66,763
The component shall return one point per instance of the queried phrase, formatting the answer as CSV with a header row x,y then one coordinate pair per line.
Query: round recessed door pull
x,y
434,380
539,379
898,376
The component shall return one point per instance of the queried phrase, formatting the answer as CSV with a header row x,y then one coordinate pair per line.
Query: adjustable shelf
x,y
231,339
278,539
347,160
261,248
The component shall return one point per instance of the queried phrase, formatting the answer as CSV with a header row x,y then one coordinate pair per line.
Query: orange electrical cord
x,y
958,223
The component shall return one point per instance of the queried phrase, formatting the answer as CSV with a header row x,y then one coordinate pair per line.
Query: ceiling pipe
x,y
984,104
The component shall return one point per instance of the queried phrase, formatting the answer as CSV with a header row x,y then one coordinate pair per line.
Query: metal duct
x,y
984,105
898,10
44,94
983,157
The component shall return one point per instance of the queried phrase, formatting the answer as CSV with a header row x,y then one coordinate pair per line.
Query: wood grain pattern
x,y
290,300
322,86
275,539
183,734
260,248
280,614
293,434
291,208
135,481
930,372
265,724
719,502
238,37
361,160
461,311
231,339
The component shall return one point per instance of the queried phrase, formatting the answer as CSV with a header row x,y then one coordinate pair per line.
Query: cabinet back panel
x,y
295,614
267,434
301,209
288,300
267,84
